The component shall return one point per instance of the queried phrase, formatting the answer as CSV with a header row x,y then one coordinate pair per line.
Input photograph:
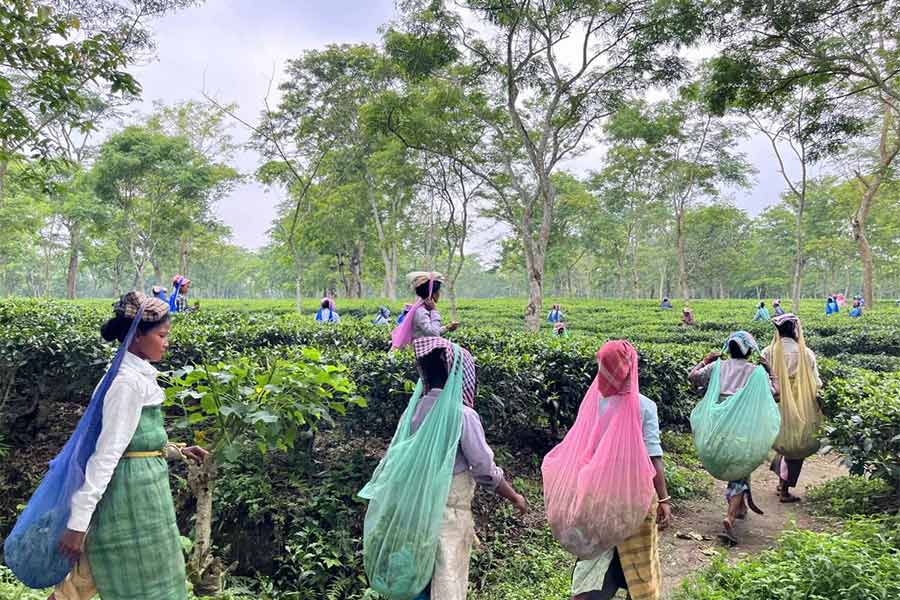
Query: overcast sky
x,y
232,48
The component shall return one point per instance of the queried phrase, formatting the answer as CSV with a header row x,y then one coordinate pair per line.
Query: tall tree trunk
x,y
157,272
4,166
343,274
662,281
682,262
74,247
204,570
797,286
534,270
184,245
888,149
356,260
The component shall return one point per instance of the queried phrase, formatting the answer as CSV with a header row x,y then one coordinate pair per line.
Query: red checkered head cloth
x,y
617,368
426,345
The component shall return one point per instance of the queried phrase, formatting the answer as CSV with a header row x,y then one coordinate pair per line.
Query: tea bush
x,y
865,422
850,495
860,563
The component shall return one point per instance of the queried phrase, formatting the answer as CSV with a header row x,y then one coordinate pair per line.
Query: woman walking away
x,y
327,313
555,315
423,319
736,423
121,533
419,529
797,378
762,313
604,485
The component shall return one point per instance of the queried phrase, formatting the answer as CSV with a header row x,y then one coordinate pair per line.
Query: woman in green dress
x,y
122,533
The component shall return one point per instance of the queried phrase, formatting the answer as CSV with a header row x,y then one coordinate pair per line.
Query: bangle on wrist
x,y
666,500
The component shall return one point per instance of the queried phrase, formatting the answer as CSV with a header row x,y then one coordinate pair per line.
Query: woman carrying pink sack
x,y
604,485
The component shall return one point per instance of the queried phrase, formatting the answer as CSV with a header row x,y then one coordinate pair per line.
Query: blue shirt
x,y
649,424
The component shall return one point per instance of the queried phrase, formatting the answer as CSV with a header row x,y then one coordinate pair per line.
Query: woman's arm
x,y
428,322
480,457
699,375
664,509
121,414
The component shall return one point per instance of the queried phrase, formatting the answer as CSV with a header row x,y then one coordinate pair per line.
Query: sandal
x,y
727,536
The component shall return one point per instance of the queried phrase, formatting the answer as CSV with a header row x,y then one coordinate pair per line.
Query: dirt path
x,y
682,557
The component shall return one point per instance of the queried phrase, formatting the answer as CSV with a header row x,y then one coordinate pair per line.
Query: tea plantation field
x,y
287,519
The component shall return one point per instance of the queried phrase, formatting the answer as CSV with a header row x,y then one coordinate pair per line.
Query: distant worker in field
x,y
160,292
403,313
178,302
383,316
419,528
665,304
687,317
762,313
561,330
856,310
757,401
796,376
423,319
555,315
831,306
327,312
840,299
776,306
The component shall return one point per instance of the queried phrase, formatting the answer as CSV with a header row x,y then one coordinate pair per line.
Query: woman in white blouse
x,y
122,530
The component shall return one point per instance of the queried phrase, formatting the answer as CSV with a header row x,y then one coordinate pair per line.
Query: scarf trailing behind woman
x,y
801,417
598,482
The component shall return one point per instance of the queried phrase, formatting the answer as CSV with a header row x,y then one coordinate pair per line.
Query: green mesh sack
x,y
733,436
408,492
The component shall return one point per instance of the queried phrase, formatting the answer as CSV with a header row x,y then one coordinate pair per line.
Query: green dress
x,y
133,544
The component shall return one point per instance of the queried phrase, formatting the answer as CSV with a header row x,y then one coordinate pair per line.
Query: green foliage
x,y
851,495
865,422
860,563
270,404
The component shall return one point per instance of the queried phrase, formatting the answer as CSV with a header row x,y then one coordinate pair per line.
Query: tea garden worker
x,y
797,378
633,564
181,286
555,315
422,319
762,313
733,376
441,411
122,530
327,312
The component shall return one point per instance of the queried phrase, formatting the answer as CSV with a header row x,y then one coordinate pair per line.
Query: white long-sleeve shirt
x,y
134,387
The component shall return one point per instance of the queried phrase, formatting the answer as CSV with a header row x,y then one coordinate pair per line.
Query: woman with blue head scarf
x,y
733,375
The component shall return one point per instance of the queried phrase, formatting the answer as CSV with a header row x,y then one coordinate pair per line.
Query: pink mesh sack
x,y
598,482
402,335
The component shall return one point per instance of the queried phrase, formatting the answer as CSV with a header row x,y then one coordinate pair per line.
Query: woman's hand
x,y
521,504
663,515
453,326
71,544
196,454
711,357
429,304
